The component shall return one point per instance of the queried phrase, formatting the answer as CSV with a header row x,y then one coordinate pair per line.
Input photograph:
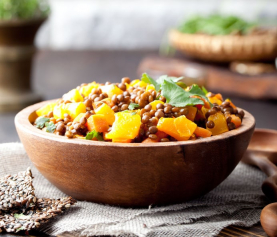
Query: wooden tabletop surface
x,y
56,72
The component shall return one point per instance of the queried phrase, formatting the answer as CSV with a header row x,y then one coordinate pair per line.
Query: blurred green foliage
x,y
23,9
216,25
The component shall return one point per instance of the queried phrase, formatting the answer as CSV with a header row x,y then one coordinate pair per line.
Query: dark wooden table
x,y
56,72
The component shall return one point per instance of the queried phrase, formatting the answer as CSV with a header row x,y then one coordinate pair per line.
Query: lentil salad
x,y
140,111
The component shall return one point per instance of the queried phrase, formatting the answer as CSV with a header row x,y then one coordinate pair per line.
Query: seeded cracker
x,y
17,191
44,210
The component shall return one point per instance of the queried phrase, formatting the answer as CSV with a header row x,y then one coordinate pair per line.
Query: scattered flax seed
x,y
20,209
17,191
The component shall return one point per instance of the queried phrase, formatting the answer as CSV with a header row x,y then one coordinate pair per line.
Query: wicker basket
x,y
225,48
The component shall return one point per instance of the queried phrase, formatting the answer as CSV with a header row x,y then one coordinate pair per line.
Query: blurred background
x,y
136,24
50,47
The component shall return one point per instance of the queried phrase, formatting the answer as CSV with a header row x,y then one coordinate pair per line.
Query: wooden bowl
x,y
225,48
133,175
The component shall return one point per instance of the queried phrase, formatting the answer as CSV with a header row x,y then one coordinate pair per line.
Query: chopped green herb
x,y
146,78
132,106
133,113
94,134
50,127
40,122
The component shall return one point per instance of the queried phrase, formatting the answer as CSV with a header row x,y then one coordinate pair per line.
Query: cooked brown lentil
x,y
150,117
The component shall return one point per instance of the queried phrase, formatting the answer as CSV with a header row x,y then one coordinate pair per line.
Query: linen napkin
x,y
237,201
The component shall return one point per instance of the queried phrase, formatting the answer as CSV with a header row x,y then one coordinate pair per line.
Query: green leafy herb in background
x,y
40,122
23,9
132,106
216,25
50,127
94,134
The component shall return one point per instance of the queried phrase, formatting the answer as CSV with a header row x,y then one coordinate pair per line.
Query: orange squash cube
x,y
236,120
98,123
126,126
105,110
202,132
180,128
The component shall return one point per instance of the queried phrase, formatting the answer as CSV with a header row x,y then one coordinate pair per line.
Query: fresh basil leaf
x,y
50,127
132,106
40,122
146,78
177,96
94,134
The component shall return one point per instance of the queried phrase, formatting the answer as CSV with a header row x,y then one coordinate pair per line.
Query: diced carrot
x,y
231,103
149,140
202,132
219,96
236,120
206,103
98,123
122,140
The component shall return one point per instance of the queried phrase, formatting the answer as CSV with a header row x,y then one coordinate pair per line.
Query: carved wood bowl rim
x,y
22,121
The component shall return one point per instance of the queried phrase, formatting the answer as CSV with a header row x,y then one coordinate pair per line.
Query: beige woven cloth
x,y
237,201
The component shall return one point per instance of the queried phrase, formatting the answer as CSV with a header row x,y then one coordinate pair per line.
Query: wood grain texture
x,y
218,77
133,175
225,48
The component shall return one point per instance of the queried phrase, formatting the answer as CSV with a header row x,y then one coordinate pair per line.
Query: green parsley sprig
x,y
133,106
40,122
50,127
93,134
